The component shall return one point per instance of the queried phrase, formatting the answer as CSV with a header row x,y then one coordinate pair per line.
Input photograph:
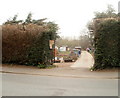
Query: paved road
x,y
85,61
32,85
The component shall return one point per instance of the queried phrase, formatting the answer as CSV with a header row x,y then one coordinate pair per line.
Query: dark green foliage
x,y
28,43
39,22
41,66
39,52
13,21
29,18
107,43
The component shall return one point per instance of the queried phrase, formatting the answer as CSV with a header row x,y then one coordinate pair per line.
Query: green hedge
x,y
27,44
107,43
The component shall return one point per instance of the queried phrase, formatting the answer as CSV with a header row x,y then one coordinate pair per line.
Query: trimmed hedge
x,y
27,44
107,43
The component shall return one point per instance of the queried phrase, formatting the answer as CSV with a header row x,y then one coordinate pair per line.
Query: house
x,y
78,47
64,48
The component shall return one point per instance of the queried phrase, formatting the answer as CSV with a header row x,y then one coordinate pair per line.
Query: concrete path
x,y
84,61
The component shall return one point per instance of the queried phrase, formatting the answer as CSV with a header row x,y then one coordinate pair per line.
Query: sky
x,y
71,16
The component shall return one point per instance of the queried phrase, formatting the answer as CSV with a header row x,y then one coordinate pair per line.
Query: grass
x,y
63,54
52,66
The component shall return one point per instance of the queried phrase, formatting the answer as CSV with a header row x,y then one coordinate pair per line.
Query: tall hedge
x,y
107,43
27,44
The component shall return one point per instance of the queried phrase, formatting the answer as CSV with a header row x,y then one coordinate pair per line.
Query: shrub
x,y
107,43
27,44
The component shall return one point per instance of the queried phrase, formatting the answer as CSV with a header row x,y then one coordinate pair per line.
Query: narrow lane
x,y
84,61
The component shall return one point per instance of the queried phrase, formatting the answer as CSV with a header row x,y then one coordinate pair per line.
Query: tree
x,y
84,41
52,28
109,13
32,37
39,21
106,34
13,21
29,18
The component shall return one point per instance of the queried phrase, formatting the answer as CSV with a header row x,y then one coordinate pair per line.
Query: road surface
x,y
35,85
84,61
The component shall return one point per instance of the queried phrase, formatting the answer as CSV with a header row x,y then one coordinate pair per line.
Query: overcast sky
x,y
71,15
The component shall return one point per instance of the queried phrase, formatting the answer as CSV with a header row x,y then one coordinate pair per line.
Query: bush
x,y
107,43
27,44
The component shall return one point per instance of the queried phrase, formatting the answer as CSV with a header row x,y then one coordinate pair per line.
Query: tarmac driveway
x,y
84,61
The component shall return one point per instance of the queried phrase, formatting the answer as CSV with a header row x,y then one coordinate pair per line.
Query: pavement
x,y
78,69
